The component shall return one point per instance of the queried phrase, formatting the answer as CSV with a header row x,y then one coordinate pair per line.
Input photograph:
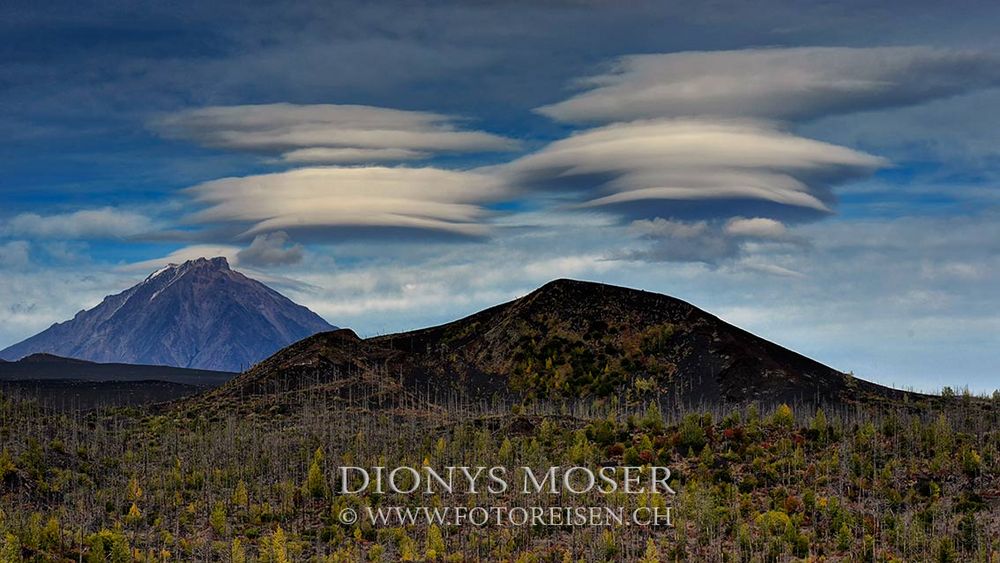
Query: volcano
x,y
200,314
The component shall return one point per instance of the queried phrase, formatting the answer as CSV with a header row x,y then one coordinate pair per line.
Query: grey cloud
x,y
327,132
676,241
709,242
786,84
270,249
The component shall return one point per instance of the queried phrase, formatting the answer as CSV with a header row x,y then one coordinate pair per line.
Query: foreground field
x,y
753,484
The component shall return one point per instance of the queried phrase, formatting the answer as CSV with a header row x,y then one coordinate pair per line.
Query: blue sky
x,y
823,174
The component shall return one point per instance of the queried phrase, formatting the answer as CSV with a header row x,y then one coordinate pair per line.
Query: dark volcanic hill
x,y
70,383
38,367
199,314
566,339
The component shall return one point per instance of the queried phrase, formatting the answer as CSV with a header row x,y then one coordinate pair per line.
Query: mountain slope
x,y
39,367
199,314
566,339
66,383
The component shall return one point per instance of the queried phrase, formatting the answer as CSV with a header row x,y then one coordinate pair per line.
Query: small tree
x,y
217,519
692,435
279,546
107,546
240,496
10,549
844,537
134,515
652,555
237,554
784,417
819,425
435,543
652,419
134,490
316,484
7,465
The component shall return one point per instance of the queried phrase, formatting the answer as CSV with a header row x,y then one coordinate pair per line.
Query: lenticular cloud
x,y
330,133
352,200
784,84
693,169
709,135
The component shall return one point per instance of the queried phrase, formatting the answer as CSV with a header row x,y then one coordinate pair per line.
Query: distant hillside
x,y
566,339
71,383
38,367
199,314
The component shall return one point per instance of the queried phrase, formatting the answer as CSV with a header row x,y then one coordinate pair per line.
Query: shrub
x,y
10,549
783,417
845,539
774,522
108,546
691,434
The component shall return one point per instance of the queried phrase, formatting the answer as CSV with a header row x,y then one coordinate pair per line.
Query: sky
x,y
823,174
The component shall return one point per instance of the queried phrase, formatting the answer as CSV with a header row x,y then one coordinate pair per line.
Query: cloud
x,y
15,254
757,227
66,252
708,242
785,84
353,201
769,269
182,255
677,241
693,169
270,250
700,145
101,223
328,133
350,155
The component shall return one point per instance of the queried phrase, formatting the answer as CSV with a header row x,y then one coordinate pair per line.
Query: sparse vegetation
x,y
754,483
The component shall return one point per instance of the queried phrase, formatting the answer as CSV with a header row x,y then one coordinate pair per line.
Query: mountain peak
x,y
198,314
218,263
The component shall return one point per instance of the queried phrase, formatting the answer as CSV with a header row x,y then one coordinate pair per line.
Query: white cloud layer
x,y
15,254
351,155
328,133
785,84
693,167
357,201
697,148
757,227
104,222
